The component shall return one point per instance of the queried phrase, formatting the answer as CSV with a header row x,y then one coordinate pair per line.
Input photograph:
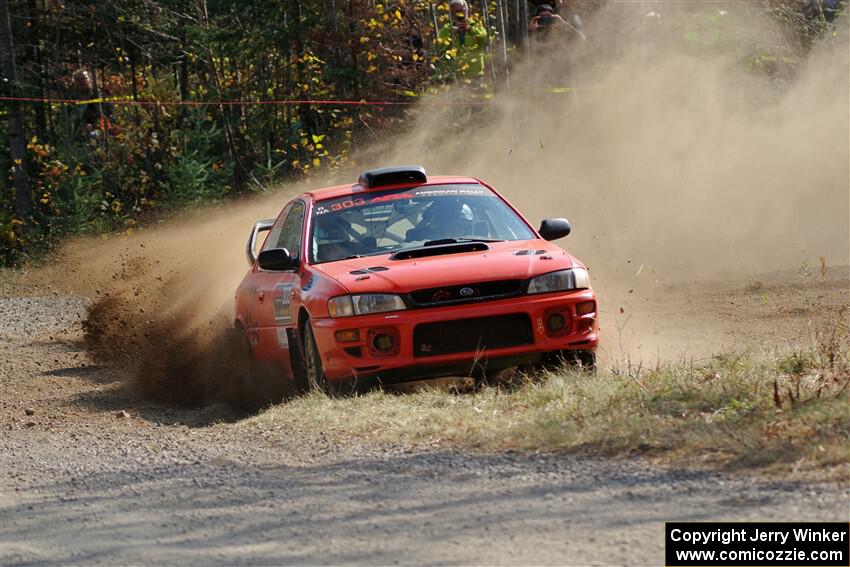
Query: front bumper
x,y
361,358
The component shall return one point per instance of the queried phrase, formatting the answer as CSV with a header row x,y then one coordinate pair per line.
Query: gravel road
x,y
93,475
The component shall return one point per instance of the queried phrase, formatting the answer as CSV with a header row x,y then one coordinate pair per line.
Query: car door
x,y
273,313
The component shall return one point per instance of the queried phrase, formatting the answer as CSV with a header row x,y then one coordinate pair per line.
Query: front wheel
x,y
313,361
315,372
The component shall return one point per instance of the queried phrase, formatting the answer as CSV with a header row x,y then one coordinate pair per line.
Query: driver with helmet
x,y
446,217
332,240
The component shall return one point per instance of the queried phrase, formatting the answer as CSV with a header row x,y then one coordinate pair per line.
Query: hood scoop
x,y
440,250
529,252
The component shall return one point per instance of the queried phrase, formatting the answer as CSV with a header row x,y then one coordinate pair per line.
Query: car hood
x,y
503,261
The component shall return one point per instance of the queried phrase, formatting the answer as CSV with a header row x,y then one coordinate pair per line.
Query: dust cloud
x,y
679,164
162,304
673,164
682,162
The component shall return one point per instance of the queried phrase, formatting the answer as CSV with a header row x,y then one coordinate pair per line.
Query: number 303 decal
x,y
347,204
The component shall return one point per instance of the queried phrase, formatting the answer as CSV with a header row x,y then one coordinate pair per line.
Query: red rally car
x,y
402,276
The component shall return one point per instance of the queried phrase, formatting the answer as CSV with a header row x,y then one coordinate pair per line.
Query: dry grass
x,y
786,413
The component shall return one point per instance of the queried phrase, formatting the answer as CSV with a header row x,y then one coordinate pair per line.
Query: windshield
x,y
367,224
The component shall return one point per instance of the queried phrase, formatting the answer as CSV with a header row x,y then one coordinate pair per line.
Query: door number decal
x,y
282,301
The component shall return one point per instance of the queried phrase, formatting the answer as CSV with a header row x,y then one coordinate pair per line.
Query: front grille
x,y
471,335
479,291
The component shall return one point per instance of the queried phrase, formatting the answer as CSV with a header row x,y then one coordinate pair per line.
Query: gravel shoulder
x,y
96,475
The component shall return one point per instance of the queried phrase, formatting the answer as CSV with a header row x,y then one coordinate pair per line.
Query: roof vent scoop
x,y
392,176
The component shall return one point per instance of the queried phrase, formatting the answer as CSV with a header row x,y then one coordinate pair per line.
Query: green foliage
x,y
101,167
111,166
194,173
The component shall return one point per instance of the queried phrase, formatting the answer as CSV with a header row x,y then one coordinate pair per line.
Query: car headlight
x,y
562,280
365,304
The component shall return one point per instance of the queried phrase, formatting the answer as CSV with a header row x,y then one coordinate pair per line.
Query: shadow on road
x,y
440,508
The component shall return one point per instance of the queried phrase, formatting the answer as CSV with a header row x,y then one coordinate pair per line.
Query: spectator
x,y
547,21
460,45
816,9
95,116
558,5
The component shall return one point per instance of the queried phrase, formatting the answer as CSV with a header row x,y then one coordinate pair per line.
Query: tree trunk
x,y
17,141
183,78
35,40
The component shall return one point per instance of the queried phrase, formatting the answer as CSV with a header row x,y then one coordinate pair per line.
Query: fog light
x,y
585,307
348,335
383,343
556,322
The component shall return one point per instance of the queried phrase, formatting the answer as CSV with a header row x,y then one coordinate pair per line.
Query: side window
x,y
290,233
274,234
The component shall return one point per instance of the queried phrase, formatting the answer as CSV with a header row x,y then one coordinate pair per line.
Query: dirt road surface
x,y
92,474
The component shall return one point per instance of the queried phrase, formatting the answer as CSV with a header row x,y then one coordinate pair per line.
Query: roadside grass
x,y
779,412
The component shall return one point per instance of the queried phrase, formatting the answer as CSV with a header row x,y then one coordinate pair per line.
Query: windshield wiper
x,y
460,239
379,253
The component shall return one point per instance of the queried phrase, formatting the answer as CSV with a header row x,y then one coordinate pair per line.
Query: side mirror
x,y
276,260
553,229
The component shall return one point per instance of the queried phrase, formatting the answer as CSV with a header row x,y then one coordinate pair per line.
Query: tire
x,y
313,369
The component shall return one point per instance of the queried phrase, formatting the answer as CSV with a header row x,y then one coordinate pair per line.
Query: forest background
x,y
204,100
